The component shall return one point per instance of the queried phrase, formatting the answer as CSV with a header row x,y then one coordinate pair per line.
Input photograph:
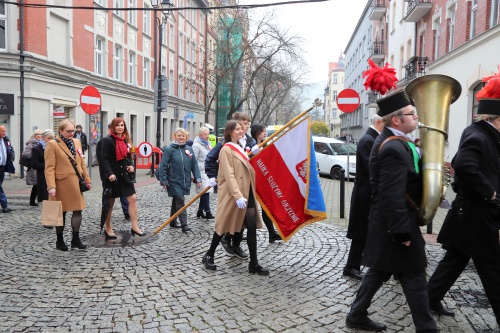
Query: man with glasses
x,y
394,245
7,156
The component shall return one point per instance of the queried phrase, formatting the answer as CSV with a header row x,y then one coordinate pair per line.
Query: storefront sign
x,y
59,112
7,104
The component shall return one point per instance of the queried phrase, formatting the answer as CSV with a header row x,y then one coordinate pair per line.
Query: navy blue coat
x,y
211,165
11,155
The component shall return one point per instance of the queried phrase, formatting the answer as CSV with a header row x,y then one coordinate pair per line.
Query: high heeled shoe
x,y
209,216
136,233
274,237
200,214
108,236
252,269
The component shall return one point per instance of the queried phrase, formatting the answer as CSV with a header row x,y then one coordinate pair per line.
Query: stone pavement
x,y
161,286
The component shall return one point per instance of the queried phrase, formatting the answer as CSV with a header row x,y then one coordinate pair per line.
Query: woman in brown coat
x,y
62,181
236,205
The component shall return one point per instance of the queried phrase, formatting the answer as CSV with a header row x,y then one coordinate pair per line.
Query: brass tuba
x,y
432,95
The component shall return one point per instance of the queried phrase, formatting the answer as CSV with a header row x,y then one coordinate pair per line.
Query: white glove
x,y
212,182
255,149
241,203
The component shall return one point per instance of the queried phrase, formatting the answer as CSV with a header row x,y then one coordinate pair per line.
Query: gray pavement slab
x,y
161,286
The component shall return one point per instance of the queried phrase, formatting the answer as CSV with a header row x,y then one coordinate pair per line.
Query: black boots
x,y
200,214
60,245
76,242
209,216
257,269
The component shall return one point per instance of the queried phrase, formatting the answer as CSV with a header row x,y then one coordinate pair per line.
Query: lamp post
x,y
165,6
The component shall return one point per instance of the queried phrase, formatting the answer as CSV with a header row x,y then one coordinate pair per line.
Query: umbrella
x,y
107,193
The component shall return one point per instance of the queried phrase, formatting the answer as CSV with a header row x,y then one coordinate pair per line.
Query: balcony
x,y
378,10
414,67
417,9
373,97
378,51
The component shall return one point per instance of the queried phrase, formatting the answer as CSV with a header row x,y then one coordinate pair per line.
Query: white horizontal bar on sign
x,y
348,100
91,100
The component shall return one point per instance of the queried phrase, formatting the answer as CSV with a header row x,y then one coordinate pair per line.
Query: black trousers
x,y
414,287
355,254
453,264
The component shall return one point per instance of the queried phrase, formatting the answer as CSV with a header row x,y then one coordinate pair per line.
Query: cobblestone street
x,y
161,285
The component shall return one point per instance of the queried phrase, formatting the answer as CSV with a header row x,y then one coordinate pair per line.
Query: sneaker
x,y
227,247
238,251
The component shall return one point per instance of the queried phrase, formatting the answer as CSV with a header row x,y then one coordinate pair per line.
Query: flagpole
x,y
317,102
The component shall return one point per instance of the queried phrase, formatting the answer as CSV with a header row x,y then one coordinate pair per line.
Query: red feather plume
x,y
492,87
380,79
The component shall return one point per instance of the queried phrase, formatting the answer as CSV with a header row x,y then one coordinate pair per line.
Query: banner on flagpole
x,y
287,181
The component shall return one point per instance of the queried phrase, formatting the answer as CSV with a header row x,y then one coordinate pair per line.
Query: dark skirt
x,y
122,187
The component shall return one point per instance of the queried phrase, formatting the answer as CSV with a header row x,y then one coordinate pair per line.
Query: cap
x,y
210,127
392,103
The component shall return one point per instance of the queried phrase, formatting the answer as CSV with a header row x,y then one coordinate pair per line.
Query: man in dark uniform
x,y
360,200
471,227
7,156
394,245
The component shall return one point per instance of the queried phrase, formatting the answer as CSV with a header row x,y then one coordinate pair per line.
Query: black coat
x,y
392,219
362,192
472,224
106,156
38,163
9,166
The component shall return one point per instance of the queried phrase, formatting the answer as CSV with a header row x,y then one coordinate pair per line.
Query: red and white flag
x,y
287,181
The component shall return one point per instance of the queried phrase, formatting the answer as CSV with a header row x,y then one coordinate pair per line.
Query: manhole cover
x,y
124,239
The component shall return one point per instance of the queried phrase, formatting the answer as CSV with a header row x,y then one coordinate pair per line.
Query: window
x,y
118,63
335,78
334,113
99,2
494,13
118,4
473,12
3,26
132,14
146,72
436,38
146,27
451,27
99,57
334,95
171,38
163,34
193,52
132,68
163,70
181,45
188,50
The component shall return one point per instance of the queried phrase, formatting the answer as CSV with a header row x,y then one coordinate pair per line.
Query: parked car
x,y
334,155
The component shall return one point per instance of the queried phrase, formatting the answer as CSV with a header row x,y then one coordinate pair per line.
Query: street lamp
x,y
165,6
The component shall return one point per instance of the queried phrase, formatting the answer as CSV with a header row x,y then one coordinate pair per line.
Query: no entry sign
x,y
90,100
348,100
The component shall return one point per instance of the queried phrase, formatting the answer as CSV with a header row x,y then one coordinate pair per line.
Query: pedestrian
x,y
471,227
82,137
201,148
7,156
230,243
177,165
31,173
259,134
360,200
38,164
394,243
115,167
236,198
62,156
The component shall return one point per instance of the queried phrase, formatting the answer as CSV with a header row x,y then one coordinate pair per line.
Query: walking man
x,y
82,137
7,156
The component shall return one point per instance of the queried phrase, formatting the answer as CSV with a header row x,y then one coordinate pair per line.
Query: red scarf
x,y
121,147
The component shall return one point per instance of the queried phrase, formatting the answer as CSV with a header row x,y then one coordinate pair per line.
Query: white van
x,y
333,155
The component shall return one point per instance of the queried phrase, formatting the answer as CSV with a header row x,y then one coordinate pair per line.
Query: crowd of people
x,y
388,241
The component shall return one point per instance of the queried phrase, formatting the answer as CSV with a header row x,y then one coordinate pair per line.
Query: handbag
x,y
81,180
52,213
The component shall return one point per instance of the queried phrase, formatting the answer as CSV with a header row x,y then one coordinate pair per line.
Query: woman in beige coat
x,y
62,181
236,205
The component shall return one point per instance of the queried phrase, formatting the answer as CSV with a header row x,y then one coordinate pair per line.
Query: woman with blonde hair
x,y
116,168
177,165
35,140
201,148
62,156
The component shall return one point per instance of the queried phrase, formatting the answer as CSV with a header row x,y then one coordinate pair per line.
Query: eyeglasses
x,y
408,114
69,131
38,134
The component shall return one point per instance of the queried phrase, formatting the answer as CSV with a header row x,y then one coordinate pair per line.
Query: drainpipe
x,y
21,80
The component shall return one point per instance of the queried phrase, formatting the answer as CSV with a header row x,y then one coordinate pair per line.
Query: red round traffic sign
x,y
348,100
90,100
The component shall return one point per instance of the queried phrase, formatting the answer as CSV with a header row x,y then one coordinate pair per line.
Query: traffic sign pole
x,y
348,101
90,101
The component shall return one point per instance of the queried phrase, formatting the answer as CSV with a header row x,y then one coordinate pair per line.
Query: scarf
x,y
205,142
70,144
43,143
121,147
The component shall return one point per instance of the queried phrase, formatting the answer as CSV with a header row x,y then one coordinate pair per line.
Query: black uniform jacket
x,y
392,219
471,226
362,192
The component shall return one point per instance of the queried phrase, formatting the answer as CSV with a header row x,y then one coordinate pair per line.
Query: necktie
x,y
3,153
416,156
